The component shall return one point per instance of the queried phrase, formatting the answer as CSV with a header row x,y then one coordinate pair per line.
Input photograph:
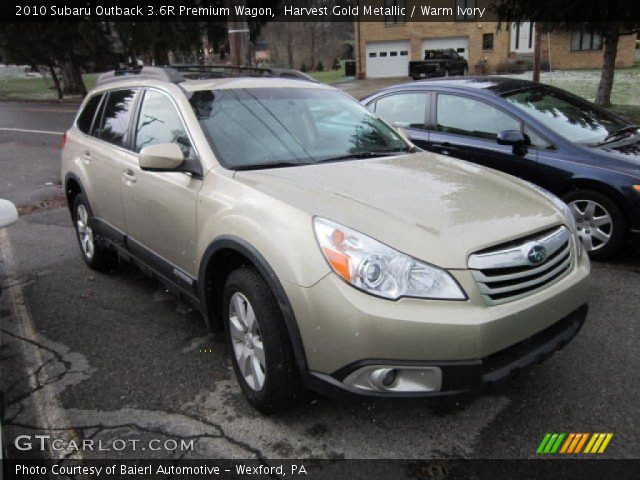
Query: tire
x,y
270,379
96,256
601,224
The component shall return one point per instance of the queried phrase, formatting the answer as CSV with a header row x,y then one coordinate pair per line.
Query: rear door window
x,y
85,119
407,110
116,118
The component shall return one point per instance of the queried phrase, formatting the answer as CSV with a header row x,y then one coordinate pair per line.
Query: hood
x,y
437,209
624,155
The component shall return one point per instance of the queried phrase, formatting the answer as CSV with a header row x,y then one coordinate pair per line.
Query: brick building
x,y
384,49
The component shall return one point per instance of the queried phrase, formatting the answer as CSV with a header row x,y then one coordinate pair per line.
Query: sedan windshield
x,y
576,120
271,127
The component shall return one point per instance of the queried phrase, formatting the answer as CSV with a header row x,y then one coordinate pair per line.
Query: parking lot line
x,y
47,132
48,411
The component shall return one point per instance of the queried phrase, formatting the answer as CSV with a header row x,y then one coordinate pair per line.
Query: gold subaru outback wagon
x,y
336,255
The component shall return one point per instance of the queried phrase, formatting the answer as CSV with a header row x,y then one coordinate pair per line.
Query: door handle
x,y
129,176
86,157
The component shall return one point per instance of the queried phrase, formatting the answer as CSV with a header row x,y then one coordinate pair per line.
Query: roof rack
x,y
166,74
181,73
199,72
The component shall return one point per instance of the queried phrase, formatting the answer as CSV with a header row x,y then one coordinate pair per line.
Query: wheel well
x,y
604,189
218,268
72,188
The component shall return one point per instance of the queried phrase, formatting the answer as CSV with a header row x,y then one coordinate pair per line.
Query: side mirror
x,y
8,213
162,157
511,137
516,139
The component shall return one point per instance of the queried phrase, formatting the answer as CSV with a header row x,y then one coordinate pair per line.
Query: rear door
x,y
160,207
406,110
467,128
103,160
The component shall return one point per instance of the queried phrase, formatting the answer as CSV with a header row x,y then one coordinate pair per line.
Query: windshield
x,y
576,120
262,127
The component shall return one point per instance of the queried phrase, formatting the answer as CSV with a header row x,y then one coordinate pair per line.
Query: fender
x,y
74,177
231,242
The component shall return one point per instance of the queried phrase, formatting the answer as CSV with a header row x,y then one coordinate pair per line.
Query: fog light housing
x,y
396,378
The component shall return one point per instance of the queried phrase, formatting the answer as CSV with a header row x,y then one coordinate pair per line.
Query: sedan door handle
x,y
129,176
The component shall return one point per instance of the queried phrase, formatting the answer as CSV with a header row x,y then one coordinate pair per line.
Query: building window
x,y
487,41
466,6
397,6
373,55
393,54
383,54
404,53
584,41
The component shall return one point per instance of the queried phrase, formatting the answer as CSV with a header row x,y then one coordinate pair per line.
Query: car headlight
x,y
559,204
380,270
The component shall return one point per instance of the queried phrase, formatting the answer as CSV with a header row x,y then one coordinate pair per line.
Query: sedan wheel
x,y
601,225
594,222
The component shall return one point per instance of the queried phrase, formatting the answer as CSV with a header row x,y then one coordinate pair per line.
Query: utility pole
x,y
238,31
537,41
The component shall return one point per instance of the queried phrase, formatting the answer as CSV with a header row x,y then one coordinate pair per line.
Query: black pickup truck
x,y
438,63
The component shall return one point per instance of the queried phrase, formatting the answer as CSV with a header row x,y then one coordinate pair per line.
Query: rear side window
x,y
116,118
404,109
88,113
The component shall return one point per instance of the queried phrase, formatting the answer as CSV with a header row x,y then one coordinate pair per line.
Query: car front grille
x,y
519,269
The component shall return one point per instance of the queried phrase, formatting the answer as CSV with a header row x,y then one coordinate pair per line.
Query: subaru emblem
x,y
537,254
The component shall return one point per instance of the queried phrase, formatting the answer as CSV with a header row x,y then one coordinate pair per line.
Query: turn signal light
x,y
636,188
63,140
339,262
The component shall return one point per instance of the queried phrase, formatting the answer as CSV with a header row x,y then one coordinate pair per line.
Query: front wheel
x,y
261,352
600,222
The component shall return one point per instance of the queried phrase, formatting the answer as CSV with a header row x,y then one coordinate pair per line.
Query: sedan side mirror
x,y
516,139
163,157
8,213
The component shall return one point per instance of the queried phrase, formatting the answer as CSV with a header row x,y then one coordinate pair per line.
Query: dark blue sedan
x,y
584,154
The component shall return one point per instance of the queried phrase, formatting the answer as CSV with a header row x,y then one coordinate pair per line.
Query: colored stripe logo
x,y
574,443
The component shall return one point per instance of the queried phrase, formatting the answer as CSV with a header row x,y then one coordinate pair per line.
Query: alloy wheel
x,y
594,222
247,341
85,232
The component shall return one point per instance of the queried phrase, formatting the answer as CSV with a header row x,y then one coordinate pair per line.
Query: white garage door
x,y
460,44
388,59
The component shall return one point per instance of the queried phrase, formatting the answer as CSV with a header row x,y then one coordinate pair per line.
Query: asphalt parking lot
x,y
111,356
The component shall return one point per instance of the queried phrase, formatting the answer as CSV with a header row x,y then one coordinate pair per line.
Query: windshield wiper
x,y
359,155
261,166
618,133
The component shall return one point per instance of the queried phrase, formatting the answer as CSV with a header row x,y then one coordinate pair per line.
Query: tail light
x,y
63,140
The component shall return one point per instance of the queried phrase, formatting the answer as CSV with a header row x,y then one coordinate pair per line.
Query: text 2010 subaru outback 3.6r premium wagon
x,y
336,255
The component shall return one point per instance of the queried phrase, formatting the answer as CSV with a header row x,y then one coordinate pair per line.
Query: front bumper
x,y
342,329
463,377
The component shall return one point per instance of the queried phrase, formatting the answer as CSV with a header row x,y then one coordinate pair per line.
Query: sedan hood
x,y
434,208
624,155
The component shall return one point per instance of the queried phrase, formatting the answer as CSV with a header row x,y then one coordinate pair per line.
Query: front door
x,y
160,207
467,128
